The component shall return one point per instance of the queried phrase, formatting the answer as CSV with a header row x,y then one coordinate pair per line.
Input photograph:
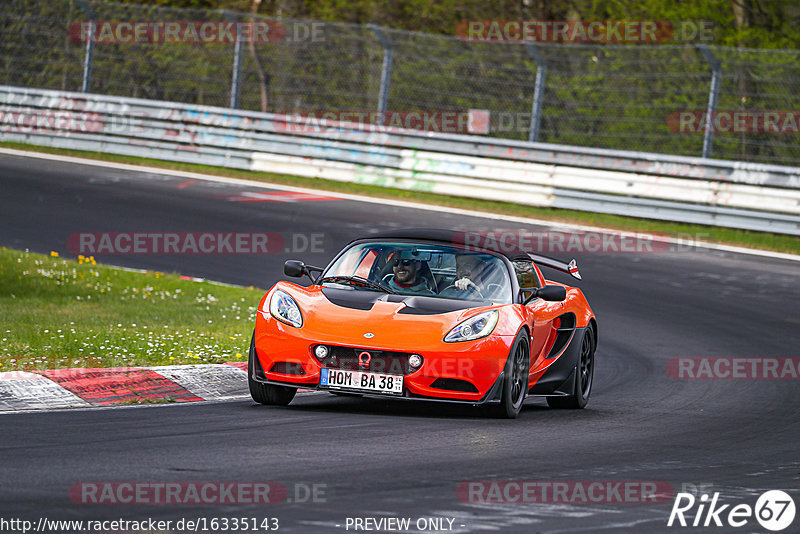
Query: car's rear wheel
x,y
584,376
515,377
268,394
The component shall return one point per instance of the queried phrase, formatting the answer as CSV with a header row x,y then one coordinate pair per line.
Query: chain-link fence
x,y
599,95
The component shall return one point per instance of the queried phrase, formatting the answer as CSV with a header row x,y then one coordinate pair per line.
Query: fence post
x,y
236,75
88,58
538,91
713,95
386,70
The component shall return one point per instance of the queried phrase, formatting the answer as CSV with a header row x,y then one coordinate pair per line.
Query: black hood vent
x,y
414,305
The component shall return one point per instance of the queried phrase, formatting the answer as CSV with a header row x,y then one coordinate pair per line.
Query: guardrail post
x,y
238,54
386,70
538,91
88,58
713,96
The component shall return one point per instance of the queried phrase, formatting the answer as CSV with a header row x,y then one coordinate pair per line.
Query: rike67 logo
x,y
774,510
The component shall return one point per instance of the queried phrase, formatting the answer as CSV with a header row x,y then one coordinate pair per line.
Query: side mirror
x,y
294,268
551,293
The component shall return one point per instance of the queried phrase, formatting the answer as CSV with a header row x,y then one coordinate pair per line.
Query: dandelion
x,y
53,253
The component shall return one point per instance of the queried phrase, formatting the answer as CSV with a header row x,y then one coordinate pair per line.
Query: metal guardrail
x,y
693,190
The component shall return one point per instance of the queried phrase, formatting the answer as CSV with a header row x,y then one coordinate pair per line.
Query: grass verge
x,y
693,232
60,313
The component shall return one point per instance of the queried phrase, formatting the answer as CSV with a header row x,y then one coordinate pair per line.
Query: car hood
x,y
367,318
409,304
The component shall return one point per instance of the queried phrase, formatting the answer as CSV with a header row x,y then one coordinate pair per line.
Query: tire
x,y
583,378
515,378
267,394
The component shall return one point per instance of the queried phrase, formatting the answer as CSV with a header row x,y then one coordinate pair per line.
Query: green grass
x,y
61,313
693,232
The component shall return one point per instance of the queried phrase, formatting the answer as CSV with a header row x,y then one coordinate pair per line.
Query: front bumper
x,y
480,363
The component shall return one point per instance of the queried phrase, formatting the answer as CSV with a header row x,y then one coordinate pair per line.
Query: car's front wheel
x,y
515,377
268,394
584,376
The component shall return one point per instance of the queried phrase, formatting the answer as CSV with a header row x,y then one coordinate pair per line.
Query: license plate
x,y
361,381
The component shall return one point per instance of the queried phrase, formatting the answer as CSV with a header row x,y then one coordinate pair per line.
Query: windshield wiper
x,y
357,280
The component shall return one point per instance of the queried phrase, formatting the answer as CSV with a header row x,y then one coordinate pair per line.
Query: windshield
x,y
422,269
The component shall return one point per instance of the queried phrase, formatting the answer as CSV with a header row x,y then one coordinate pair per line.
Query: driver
x,y
407,278
469,281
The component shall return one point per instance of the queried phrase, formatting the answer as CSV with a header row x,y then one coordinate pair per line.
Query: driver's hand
x,y
464,283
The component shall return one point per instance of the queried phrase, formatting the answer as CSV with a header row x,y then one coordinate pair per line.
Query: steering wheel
x,y
493,289
471,289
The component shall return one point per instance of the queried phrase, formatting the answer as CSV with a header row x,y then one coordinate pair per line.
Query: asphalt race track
x,y
395,459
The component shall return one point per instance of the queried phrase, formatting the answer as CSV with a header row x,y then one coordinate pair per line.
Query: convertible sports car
x,y
426,315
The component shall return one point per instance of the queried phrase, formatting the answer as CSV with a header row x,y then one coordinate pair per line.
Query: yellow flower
x,y
238,354
53,253
172,357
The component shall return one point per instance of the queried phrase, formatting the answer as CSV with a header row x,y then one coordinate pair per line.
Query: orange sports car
x,y
426,315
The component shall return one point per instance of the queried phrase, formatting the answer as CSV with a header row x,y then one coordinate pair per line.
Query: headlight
x,y
283,307
473,328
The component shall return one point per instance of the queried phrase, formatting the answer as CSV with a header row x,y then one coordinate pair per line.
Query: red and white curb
x,y
20,390
80,388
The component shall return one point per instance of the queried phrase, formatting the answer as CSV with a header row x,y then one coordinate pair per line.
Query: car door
x,y
543,313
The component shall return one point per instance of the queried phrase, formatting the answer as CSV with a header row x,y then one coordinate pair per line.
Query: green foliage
x,y
60,313
602,95
750,23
